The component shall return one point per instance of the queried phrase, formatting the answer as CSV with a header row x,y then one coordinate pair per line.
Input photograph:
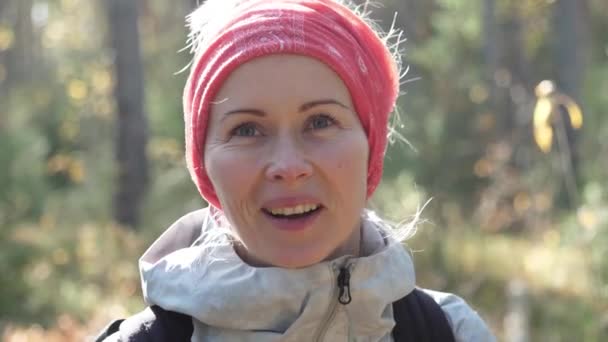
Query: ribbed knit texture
x,y
322,29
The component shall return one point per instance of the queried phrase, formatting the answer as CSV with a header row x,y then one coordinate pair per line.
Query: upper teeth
x,y
298,209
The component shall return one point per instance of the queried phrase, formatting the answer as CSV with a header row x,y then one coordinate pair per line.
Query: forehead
x,y
287,79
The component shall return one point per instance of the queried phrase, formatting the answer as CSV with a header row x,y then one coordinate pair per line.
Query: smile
x,y
295,211
295,218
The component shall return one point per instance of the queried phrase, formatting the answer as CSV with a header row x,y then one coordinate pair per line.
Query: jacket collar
x,y
219,290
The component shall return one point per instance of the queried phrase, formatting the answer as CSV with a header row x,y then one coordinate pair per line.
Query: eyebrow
x,y
311,104
306,106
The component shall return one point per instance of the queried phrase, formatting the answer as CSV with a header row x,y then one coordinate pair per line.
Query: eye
x,y
321,121
245,130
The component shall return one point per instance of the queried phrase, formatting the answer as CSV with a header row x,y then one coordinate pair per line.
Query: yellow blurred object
x,y
543,133
548,102
542,111
77,89
544,138
576,115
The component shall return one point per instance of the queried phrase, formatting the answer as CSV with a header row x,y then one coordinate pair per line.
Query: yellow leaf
x,y
576,115
574,111
542,111
543,135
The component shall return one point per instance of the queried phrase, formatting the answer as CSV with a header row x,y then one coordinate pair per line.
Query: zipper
x,y
341,295
344,296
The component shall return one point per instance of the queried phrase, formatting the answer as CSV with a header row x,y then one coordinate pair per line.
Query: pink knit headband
x,y
322,29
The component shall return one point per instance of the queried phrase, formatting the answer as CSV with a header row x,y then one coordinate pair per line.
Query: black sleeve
x,y
153,324
419,318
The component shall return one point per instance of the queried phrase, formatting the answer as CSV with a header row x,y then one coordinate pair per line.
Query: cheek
x,y
232,173
345,163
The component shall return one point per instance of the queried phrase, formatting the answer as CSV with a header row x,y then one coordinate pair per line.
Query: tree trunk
x,y
512,77
571,49
22,53
18,60
490,48
132,124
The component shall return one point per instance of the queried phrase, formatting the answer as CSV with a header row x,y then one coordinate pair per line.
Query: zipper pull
x,y
344,286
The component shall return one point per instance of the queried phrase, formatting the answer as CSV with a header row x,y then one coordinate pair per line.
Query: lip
x,y
291,201
294,224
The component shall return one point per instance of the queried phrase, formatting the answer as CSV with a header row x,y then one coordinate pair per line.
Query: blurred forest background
x,y
92,169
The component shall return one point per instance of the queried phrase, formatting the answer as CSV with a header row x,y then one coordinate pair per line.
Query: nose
x,y
288,163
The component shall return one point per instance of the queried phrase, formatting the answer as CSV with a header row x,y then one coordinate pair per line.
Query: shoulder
x,y
466,324
153,324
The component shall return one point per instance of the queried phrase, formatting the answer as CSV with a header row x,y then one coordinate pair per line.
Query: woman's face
x,y
287,157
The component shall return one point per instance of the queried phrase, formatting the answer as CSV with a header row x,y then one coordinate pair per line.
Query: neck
x,y
352,246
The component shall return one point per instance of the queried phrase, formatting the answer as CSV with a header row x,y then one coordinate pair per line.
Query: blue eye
x,y
321,121
245,130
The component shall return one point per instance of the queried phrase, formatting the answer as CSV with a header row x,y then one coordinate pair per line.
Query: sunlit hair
x,y
210,17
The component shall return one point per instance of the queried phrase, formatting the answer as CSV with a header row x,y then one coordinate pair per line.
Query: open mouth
x,y
292,213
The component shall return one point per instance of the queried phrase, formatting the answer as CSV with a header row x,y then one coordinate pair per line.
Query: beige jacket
x,y
232,301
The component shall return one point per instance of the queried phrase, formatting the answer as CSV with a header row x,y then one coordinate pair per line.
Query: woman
x,y
286,112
